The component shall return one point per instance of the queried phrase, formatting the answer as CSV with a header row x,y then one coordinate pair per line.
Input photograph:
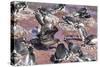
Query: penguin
x,y
59,6
31,56
90,40
15,58
83,13
61,53
74,48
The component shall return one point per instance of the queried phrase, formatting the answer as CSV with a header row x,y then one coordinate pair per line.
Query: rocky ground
x,y
43,56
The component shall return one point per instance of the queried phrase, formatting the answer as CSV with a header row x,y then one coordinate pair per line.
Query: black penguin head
x,y
82,10
61,45
43,10
61,5
70,43
30,48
